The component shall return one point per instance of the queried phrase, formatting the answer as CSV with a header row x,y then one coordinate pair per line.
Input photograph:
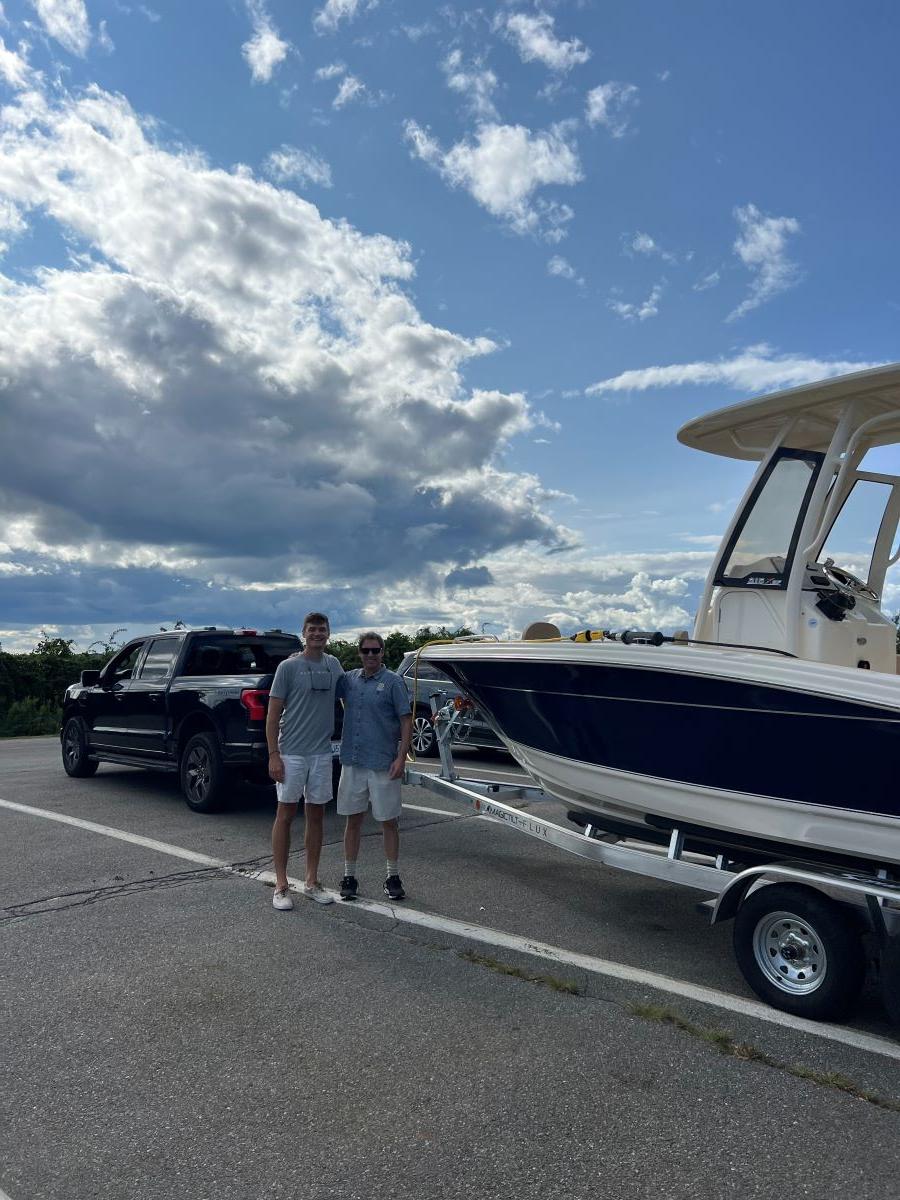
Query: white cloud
x,y
503,167
643,243
761,246
708,281
329,17
609,105
67,22
265,49
563,269
14,67
757,369
638,312
332,71
476,83
350,89
304,166
535,41
212,302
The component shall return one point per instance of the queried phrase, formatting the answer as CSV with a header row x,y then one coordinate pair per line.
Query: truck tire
x,y
424,737
204,778
800,951
75,751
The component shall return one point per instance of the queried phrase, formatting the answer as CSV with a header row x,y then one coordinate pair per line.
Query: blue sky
x,y
394,309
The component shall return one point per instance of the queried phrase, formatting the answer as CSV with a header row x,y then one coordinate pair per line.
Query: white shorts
x,y
308,775
361,786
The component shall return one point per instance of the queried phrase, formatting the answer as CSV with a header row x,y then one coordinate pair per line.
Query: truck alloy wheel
x,y
204,781
74,751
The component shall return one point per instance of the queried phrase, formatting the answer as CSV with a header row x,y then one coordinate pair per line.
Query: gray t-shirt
x,y
307,689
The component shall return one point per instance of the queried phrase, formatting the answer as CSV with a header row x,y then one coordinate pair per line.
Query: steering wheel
x,y
845,582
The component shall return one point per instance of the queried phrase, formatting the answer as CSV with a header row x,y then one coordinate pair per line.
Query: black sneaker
x,y
349,887
394,888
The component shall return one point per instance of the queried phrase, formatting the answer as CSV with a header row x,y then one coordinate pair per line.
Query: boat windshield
x,y
761,548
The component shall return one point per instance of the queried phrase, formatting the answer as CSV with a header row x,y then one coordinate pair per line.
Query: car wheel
x,y
424,739
800,951
204,779
75,752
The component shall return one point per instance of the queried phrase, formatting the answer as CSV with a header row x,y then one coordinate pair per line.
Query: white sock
x,y
393,868
349,867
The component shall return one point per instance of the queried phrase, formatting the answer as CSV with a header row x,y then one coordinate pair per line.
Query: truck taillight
x,y
255,703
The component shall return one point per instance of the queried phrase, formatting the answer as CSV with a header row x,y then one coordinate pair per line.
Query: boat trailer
x,y
799,927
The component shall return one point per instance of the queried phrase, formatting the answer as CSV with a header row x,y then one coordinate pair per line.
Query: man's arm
x,y
273,717
405,738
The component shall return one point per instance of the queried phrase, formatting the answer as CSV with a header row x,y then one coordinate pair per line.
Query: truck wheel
x,y
424,739
204,779
799,951
75,752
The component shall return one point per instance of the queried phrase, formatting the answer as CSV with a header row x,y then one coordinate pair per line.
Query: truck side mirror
x,y
89,678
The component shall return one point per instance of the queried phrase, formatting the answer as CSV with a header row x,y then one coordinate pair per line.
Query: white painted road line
x,y
496,937
121,834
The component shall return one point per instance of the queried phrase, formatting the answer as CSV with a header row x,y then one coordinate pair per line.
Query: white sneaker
x,y
318,893
282,900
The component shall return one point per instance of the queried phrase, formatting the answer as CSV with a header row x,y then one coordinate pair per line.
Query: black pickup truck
x,y
190,701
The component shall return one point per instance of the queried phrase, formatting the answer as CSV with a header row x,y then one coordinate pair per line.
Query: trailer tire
x,y
800,951
890,978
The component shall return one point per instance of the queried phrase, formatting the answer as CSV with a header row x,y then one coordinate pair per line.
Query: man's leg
x,y
281,842
352,836
391,833
314,820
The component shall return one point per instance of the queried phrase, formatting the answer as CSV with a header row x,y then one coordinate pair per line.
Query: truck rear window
x,y
238,655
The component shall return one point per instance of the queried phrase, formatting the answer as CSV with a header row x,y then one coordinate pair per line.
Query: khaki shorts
x,y
308,775
361,786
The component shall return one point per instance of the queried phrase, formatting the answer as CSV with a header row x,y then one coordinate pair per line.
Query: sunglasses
x,y
371,650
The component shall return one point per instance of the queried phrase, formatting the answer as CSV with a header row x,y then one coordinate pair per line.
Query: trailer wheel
x,y
799,951
890,978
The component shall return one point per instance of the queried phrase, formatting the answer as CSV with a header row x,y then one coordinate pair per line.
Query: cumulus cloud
x,y
638,312
265,49
302,166
610,105
563,269
333,12
757,369
644,244
476,83
535,40
217,392
67,22
350,89
14,68
503,167
761,246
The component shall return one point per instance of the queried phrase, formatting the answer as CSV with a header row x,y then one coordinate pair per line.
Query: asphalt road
x,y
164,1033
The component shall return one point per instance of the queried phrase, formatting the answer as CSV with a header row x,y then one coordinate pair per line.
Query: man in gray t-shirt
x,y
298,729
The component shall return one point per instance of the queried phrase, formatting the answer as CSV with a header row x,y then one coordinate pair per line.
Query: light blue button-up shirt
x,y
372,711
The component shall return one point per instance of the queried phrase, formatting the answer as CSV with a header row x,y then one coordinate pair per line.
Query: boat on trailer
x,y
767,740
775,725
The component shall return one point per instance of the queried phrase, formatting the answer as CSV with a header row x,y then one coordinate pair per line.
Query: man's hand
x,y
276,767
397,767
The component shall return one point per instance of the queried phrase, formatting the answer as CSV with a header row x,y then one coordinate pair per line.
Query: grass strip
x,y
725,1044
550,981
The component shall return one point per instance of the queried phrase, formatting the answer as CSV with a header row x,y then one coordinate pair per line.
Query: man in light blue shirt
x,y
374,743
